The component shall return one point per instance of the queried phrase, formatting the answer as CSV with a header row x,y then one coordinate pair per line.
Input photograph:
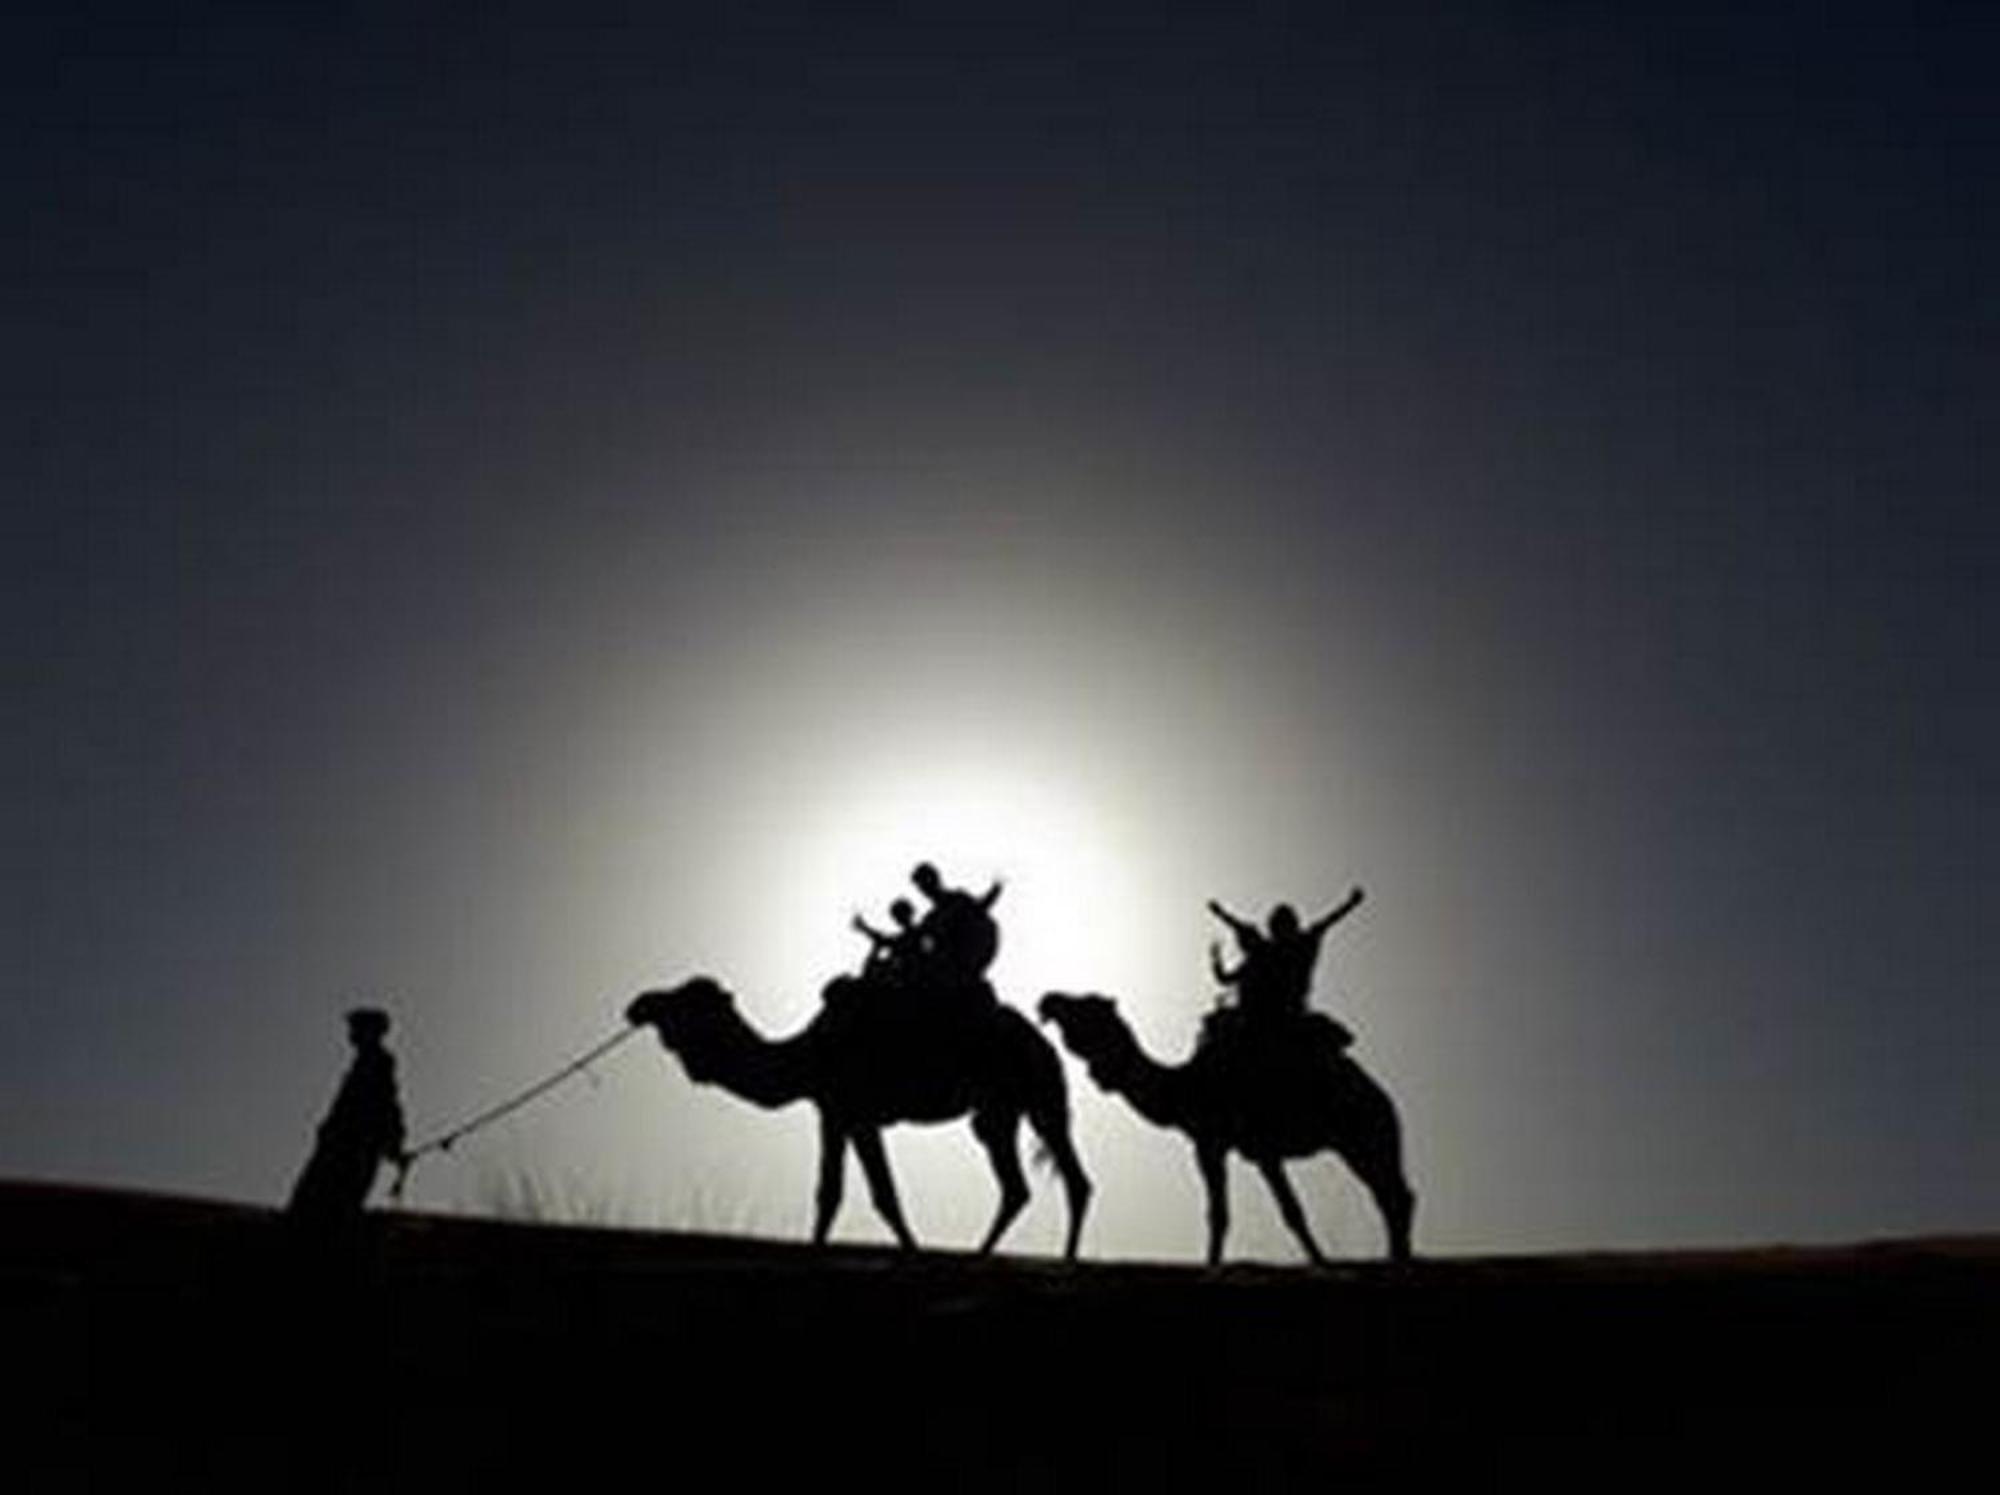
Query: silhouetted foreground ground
x,y
173,1344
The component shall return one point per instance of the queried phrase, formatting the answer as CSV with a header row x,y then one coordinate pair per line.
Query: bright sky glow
x,y
617,537
1067,907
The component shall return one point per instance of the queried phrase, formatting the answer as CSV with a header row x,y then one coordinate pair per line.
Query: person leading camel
x,y
363,1130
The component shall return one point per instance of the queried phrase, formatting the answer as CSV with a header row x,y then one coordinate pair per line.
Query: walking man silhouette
x,y
363,1129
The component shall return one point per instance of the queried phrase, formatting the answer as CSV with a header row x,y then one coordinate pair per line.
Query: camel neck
x,y
1156,1091
764,1071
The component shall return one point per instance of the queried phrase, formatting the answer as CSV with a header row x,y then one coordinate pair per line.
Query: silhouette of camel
x,y
871,1058
1268,1101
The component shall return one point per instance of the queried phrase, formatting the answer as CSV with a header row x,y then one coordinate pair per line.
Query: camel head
x,y
682,1012
1090,1027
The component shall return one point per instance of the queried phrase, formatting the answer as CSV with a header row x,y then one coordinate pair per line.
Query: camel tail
x,y
1041,1155
1043,1092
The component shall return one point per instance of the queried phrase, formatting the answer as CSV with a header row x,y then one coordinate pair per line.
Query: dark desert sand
x,y
176,1343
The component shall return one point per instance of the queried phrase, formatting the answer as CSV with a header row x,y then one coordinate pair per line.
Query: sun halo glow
x,y
1067,913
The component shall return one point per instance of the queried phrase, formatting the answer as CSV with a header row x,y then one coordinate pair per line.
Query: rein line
x,y
443,1141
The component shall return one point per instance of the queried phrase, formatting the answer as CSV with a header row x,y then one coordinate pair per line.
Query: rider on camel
x,y
958,936
943,955
1274,976
892,956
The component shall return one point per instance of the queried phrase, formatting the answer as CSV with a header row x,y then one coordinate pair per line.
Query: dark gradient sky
x,y
508,510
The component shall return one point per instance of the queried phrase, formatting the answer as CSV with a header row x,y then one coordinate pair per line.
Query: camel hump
x,y
843,991
1327,1032
890,1002
1272,1037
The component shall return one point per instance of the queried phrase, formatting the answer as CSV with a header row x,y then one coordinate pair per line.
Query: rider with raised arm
x,y
1274,976
892,955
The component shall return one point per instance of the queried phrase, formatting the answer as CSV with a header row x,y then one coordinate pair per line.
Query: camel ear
x,y
1046,1008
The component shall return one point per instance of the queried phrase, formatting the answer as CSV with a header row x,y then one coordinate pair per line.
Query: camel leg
x,y
996,1132
1393,1197
1274,1173
1214,1164
1373,1148
832,1174
882,1184
1401,1213
1054,1132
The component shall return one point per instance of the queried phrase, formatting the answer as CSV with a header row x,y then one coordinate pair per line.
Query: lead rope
x,y
443,1141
